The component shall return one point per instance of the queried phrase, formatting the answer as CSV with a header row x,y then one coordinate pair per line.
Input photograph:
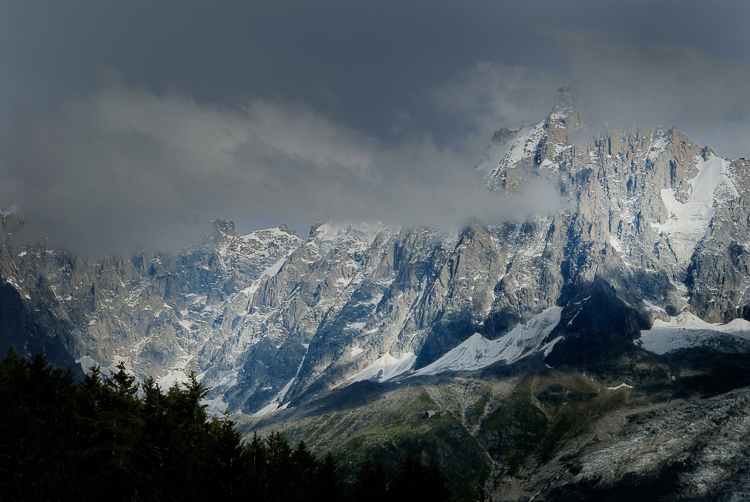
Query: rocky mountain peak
x,y
568,111
225,227
567,98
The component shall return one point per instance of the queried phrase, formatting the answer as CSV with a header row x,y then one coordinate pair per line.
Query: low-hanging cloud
x,y
125,168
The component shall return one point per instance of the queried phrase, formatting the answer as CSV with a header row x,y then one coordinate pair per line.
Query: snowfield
x,y
687,330
475,353
478,352
688,220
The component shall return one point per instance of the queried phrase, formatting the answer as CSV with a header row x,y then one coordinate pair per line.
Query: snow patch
x,y
477,352
274,269
173,377
620,386
384,368
654,308
499,158
215,406
266,235
269,272
229,380
269,408
688,221
657,147
375,300
687,330
11,210
547,348
615,242
276,401
493,156
86,363
328,234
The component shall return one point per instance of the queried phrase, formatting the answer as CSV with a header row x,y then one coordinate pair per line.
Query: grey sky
x,y
127,116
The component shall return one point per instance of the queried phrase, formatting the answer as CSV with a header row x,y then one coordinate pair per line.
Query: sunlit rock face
x,y
653,226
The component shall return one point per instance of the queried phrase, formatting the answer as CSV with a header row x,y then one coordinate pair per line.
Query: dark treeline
x,y
102,439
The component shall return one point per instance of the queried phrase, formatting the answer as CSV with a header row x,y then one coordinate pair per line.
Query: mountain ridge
x,y
654,224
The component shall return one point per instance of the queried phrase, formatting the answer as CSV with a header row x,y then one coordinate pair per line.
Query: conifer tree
x,y
255,461
304,472
279,465
417,481
100,440
228,458
187,460
328,483
371,484
155,442
479,494
121,426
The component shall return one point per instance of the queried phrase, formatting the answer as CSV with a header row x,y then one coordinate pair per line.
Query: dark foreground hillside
x,y
526,432
677,427
109,438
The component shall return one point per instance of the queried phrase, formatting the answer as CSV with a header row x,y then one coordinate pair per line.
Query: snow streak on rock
x,y
385,368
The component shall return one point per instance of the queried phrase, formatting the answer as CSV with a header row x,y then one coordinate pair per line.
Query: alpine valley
x,y
599,353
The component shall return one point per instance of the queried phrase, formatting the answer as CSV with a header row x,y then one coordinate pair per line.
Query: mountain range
x,y
528,356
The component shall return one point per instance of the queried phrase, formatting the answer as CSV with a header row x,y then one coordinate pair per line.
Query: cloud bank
x,y
124,168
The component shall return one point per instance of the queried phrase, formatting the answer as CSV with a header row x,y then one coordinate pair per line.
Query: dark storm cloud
x,y
295,111
357,60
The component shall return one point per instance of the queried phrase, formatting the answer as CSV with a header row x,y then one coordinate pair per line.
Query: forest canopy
x,y
108,437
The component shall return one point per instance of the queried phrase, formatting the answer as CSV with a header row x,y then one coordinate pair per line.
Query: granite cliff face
x,y
149,311
654,226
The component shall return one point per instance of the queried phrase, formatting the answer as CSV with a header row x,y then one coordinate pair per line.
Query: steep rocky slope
x,y
155,312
